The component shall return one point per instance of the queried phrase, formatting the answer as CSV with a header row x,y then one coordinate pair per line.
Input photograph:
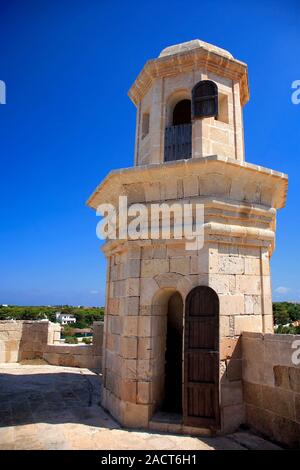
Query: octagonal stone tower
x,y
174,317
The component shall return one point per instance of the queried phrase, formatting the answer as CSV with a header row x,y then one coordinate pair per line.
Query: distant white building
x,y
65,319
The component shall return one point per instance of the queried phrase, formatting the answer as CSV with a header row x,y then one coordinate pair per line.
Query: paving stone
x,y
55,414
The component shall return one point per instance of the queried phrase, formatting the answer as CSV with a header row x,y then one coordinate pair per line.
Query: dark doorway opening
x,y
182,113
178,136
173,356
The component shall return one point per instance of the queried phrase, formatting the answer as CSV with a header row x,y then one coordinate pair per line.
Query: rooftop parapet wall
x,y
22,340
271,385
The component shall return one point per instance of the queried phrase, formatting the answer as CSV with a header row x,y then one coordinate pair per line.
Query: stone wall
x,y
271,386
141,280
21,340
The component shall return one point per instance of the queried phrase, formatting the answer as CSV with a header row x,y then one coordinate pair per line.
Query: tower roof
x,y
194,44
187,56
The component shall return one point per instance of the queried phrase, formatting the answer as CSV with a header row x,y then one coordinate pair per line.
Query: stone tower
x,y
173,316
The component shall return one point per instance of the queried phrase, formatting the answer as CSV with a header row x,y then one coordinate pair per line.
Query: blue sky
x,y
68,66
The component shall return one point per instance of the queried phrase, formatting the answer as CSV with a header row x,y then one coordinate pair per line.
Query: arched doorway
x,y
174,356
201,358
182,113
178,135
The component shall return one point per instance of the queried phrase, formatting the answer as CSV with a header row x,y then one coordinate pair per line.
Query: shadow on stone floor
x,y
52,407
55,397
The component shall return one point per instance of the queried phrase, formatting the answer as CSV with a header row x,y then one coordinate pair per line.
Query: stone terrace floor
x,y
50,407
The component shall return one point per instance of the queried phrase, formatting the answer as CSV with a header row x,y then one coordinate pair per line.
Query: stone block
x,y
128,347
225,329
190,186
128,391
144,392
130,326
247,323
135,415
259,419
180,265
231,393
252,266
234,369
219,135
231,304
253,370
144,372
231,264
144,348
67,360
115,325
176,250
132,305
132,268
252,304
147,252
268,322
222,283
278,401
247,284
146,310
253,393
281,377
128,369
51,358
285,430
232,417
159,251
144,326
150,268
265,263
132,287
13,356
152,191
230,348
170,189
149,288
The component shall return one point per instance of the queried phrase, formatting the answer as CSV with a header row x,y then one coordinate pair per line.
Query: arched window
x,y
205,99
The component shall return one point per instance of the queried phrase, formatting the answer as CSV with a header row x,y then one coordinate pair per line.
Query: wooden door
x,y
201,358
178,142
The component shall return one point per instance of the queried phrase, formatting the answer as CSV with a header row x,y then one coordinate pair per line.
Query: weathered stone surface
x,y
128,347
151,268
232,417
230,348
271,386
231,393
232,304
231,265
240,202
40,340
234,369
247,323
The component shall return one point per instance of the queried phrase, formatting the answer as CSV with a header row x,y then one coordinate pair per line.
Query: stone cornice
x,y
213,233
195,59
118,181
